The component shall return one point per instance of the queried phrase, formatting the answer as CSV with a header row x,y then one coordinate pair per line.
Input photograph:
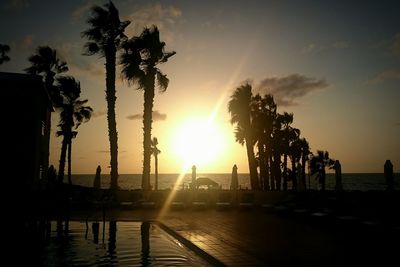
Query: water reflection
x,y
71,243
95,230
145,234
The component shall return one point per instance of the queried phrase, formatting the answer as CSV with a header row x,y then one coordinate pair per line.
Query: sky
x,y
334,64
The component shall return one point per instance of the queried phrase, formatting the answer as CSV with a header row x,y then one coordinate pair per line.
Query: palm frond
x,y
162,81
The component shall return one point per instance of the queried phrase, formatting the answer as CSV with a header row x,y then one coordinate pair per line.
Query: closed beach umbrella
x,y
234,180
193,175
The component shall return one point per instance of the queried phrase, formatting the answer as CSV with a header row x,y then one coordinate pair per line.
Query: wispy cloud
x,y
286,90
25,44
99,114
384,76
318,48
164,17
108,151
81,11
16,5
78,64
395,46
157,116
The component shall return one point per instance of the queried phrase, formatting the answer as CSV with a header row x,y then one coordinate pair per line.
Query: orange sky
x,y
335,66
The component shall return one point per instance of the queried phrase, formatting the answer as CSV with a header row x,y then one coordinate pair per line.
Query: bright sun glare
x,y
199,142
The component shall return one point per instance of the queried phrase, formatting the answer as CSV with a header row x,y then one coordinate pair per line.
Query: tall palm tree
x,y
318,163
105,35
4,49
288,135
155,151
140,59
74,112
263,113
305,152
295,150
46,63
239,106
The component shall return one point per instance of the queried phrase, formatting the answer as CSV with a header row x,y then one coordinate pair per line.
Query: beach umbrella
x,y
234,179
194,175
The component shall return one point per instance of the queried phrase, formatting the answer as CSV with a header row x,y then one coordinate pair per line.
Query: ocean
x,y
350,181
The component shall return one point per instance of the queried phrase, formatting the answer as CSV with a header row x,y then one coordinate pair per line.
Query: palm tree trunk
x,y
263,171
46,155
252,165
285,172
112,124
303,171
147,121
61,167
294,173
277,171
69,160
156,171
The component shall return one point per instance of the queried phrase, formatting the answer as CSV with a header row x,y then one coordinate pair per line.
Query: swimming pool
x,y
114,243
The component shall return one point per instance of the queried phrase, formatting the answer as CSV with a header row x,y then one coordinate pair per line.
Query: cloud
x,y
286,90
395,47
164,17
316,48
384,76
78,64
108,151
157,116
80,11
99,113
25,44
16,5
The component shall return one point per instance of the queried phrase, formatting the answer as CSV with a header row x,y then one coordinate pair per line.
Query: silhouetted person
x,y
388,172
235,180
194,176
338,175
145,233
96,182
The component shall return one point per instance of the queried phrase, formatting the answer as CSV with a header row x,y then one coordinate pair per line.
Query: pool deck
x,y
279,234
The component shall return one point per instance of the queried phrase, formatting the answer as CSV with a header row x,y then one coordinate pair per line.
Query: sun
x,y
199,142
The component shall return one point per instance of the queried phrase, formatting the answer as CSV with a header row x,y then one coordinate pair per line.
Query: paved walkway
x,y
256,237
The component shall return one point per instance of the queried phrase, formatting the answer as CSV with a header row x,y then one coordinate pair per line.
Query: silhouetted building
x,y
25,111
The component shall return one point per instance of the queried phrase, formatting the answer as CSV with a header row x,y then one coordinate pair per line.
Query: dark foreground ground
x,y
290,229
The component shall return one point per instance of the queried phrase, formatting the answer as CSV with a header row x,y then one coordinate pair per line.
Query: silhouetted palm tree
x,y
73,113
4,49
140,59
295,149
105,35
155,151
46,63
239,107
288,135
305,152
263,114
318,163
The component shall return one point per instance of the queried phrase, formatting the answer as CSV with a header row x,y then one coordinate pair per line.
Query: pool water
x,y
94,243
